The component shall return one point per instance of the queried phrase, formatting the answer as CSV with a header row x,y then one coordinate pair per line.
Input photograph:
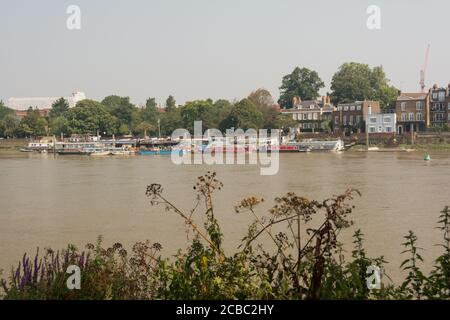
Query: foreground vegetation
x,y
299,265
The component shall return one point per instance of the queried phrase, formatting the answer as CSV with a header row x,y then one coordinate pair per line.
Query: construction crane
x,y
423,72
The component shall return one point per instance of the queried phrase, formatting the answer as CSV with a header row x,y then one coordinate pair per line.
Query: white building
x,y
382,122
42,103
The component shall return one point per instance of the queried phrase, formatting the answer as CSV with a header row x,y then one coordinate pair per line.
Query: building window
x,y
419,116
373,119
389,129
372,129
387,119
344,120
419,105
411,116
448,106
315,116
435,95
403,116
336,119
358,108
358,119
403,106
345,108
441,95
352,108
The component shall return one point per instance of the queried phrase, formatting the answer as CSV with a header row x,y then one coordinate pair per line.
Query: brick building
x,y
439,106
412,110
350,117
311,115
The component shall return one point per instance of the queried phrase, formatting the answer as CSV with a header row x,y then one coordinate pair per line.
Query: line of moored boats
x,y
108,148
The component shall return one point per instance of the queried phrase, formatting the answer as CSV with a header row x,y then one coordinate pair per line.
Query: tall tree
x,y
301,82
198,110
244,115
120,107
33,124
9,125
263,101
358,82
170,103
59,108
150,112
89,116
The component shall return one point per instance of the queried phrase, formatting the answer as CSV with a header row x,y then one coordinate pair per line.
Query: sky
x,y
198,49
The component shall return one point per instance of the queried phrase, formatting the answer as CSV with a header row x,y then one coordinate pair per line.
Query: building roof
x,y
412,96
41,103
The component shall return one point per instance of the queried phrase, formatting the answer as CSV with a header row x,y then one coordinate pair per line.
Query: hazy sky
x,y
195,49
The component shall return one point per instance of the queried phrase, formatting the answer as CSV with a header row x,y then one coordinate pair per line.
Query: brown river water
x,y
48,201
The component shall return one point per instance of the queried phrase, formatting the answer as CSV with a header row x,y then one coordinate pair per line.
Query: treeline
x,y
117,115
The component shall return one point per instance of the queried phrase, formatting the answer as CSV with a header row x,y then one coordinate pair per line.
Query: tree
x,y
8,125
150,112
89,116
220,110
244,115
120,107
170,121
263,101
59,108
33,124
170,103
284,121
301,82
144,128
358,82
59,125
198,110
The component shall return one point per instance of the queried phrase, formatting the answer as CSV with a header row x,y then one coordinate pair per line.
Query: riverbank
x,y
12,144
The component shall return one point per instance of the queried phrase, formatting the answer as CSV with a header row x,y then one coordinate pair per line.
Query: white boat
x,y
121,152
97,152
321,145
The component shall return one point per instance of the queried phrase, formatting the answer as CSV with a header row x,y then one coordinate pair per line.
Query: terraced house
x,y
312,115
350,117
412,110
440,106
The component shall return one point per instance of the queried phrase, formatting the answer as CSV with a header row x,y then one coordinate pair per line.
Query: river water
x,y
48,201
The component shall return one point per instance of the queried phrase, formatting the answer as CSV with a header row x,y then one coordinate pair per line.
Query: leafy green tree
x,y
264,102
171,121
358,82
150,113
221,110
198,110
120,107
89,116
4,110
170,103
9,125
284,121
124,129
59,108
244,115
33,124
59,125
144,128
301,82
